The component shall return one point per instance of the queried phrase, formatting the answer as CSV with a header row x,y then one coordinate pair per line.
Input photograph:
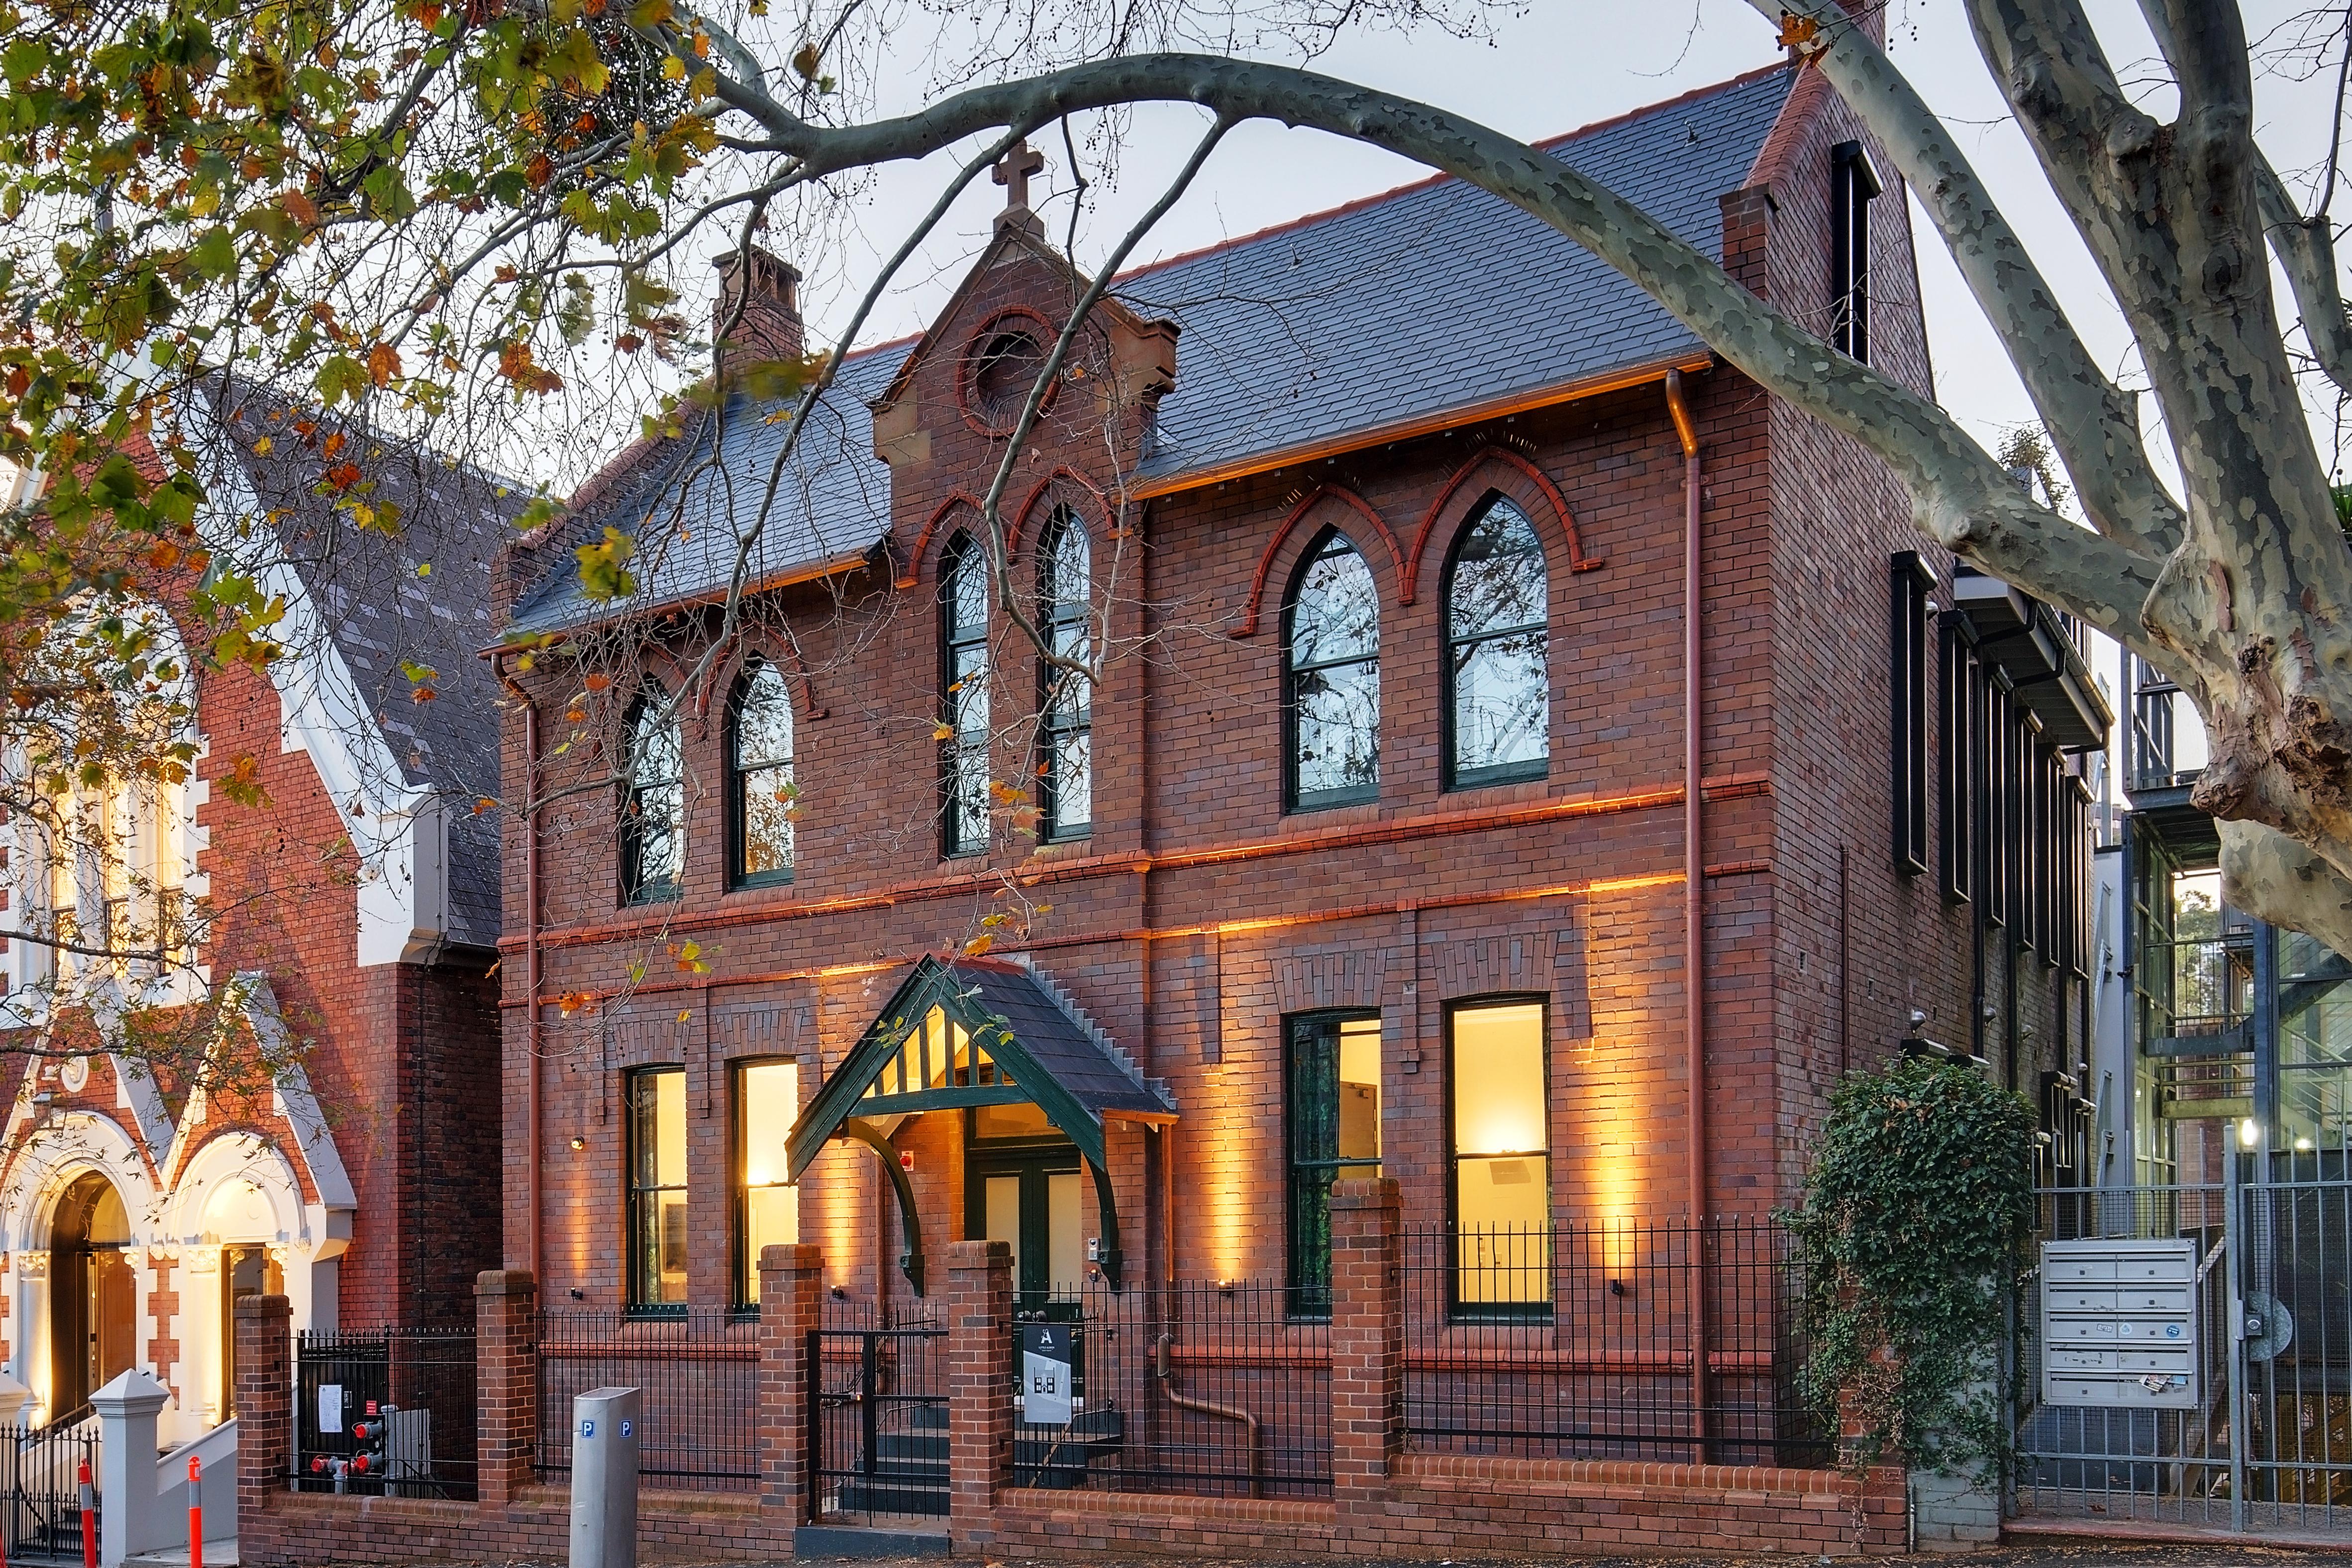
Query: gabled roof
x,y
1432,298
417,596
1024,1042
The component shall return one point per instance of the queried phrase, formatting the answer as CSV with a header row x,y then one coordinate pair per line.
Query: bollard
x,y
605,1478
196,1513
89,1518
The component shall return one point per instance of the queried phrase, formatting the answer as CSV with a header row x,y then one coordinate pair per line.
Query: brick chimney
x,y
770,326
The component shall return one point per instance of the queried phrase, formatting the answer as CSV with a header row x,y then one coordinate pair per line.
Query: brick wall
x,y
1386,1501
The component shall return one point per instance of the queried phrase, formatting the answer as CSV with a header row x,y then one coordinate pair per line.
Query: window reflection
x,y
653,811
1331,647
765,795
1066,736
963,602
1498,606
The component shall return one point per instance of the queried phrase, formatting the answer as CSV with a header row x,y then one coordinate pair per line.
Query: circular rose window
x,y
1002,369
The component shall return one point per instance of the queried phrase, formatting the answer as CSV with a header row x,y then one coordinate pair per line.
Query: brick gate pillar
x,y
980,1385
265,1407
791,1284
506,1370
1366,1339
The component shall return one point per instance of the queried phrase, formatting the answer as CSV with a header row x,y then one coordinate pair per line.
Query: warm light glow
x,y
2303,1145
2250,1132
1499,1105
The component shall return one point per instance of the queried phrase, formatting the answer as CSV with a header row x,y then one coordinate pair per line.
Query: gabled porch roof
x,y
1002,1034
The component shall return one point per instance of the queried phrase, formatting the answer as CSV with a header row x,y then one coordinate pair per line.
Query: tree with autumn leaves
x,y
472,219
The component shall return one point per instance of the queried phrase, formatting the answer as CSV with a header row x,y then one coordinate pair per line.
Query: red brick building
x,y
1412,541
324,895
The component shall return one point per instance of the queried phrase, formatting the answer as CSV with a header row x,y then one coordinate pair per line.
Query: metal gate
x,y
879,1421
2260,1437
40,1487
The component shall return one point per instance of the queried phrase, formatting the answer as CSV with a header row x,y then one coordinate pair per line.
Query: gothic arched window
x,y
652,805
760,777
1332,674
1066,733
1497,637
963,638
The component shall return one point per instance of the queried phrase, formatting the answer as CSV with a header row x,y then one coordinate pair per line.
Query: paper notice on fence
x,y
331,1407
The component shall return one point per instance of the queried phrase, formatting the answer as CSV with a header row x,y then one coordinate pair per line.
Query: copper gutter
x,y
530,937
1694,894
1443,420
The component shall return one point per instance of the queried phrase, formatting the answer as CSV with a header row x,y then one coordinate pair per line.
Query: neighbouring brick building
x,y
325,899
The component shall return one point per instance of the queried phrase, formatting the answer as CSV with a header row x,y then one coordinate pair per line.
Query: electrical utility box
x,y
2120,1324
605,1478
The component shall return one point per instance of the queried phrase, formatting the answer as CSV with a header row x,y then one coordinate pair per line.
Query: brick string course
x,y
1386,1501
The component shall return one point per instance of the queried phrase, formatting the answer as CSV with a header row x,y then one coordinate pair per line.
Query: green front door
x,y
1032,1197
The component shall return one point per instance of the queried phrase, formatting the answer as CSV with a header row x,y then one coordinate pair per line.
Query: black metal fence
x,y
879,1424
1196,1388
1578,1341
699,1371
40,1493
387,1412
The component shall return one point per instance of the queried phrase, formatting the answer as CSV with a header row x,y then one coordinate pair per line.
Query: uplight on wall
x,y
2250,1132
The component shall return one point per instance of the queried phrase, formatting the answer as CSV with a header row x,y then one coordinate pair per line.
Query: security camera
x,y
1918,1019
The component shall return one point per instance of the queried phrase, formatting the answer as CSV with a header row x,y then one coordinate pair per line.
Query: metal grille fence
x,y
1577,1342
1196,1388
699,1371
2296,1282
385,1413
2118,1462
40,1495
879,1421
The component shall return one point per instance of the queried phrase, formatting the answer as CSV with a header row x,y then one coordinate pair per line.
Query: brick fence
x,y
1386,1500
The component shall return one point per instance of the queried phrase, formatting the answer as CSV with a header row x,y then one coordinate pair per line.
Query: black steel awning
x,y
2025,637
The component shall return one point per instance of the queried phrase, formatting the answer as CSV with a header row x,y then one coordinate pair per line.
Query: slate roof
x,y
381,613
832,504
1065,1041
1429,298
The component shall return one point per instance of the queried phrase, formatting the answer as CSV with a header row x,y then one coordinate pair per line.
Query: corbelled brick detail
x,y
1367,1340
505,1353
792,1285
980,1383
265,1403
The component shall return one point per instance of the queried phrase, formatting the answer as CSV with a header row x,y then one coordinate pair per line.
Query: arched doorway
x,y
93,1294
238,1209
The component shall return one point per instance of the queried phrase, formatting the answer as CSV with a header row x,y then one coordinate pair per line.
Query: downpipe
x,y
1693,896
1163,1368
531,951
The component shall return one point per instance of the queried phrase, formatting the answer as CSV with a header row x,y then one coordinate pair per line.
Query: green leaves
x,y
342,379
1913,1233
603,574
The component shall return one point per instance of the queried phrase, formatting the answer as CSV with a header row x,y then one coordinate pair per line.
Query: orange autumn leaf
x,y
382,363
300,208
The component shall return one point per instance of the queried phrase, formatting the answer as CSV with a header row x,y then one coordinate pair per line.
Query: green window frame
x,y
657,1198
1331,1133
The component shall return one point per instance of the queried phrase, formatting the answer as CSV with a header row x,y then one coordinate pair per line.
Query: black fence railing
x,y
41,1492
385,1413
1197,1388
699,1371
1578,1341
879,1421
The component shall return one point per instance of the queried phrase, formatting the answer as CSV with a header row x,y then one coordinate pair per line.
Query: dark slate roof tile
x,y
1433,298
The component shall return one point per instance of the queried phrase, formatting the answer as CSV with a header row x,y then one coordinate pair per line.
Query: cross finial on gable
x,y
1013,172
